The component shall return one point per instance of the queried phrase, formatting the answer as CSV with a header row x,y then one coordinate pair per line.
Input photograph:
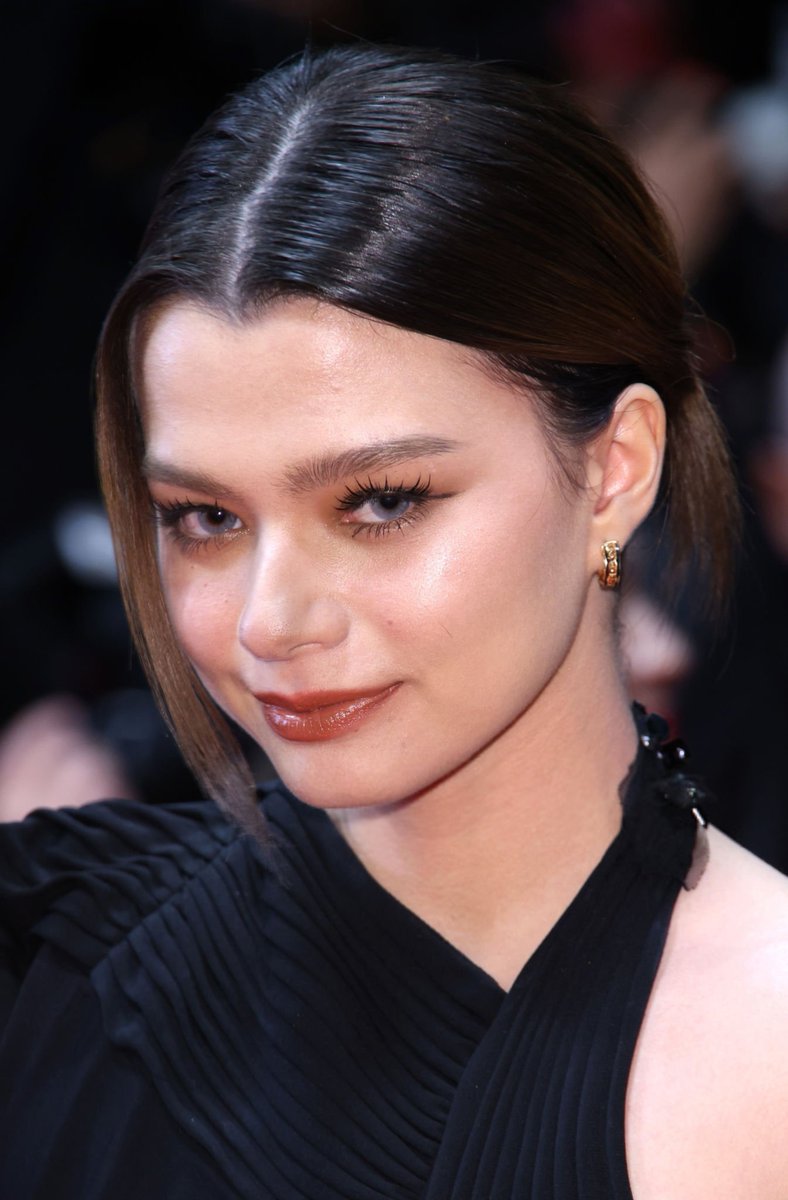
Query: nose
x,y
289,606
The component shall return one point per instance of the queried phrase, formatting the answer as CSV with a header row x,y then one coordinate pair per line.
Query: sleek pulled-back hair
x,y
450,198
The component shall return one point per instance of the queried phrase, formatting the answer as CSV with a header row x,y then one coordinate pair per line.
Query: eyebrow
x,y
185,477
313,473
327,469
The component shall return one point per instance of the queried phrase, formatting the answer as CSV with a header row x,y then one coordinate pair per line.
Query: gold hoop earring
x,y
610,571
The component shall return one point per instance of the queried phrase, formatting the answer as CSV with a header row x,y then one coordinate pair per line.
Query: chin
x,y
341,792
339,776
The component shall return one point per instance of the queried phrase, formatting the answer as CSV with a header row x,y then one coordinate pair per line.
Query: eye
x,y
208,522
193,525
387,506
379,508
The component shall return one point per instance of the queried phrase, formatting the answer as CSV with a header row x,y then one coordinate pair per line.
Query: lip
x,y
320,716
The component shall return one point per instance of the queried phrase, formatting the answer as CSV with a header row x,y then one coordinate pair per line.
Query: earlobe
x,y
626,466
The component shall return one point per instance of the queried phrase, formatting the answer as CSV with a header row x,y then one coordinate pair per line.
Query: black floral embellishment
x,y
677,787
677,797
653,728
682,791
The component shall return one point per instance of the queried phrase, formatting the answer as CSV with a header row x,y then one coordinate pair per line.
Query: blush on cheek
x,y
468,581
202,619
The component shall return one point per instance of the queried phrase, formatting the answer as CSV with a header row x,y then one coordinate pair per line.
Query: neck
x,y
492,855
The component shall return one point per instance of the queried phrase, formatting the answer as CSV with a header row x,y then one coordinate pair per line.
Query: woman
x,y
403,364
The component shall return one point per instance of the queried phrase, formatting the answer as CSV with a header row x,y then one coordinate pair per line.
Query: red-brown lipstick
x,y
319,716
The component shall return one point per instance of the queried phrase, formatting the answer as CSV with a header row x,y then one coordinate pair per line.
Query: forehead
x,y
307,372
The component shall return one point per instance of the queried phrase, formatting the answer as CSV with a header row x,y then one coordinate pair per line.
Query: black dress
x,y
184,1017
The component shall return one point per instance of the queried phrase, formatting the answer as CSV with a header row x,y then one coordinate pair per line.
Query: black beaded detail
x,y
676,793
676,786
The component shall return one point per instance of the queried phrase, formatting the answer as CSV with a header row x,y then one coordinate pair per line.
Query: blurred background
x,y
99,97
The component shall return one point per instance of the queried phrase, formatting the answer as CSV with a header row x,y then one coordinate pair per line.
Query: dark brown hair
x,y
451,198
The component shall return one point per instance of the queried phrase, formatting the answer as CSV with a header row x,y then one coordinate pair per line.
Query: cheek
x,y
203,612
524,561
500,601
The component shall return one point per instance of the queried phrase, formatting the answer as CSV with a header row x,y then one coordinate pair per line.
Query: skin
x,y
485,790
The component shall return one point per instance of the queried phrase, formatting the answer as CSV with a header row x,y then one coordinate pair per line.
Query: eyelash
x,y
419,493
169,515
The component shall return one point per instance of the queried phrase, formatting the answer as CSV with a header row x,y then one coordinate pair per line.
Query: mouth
x,y
320,716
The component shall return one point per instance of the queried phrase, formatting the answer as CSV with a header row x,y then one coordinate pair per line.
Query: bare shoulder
x,y
711,1068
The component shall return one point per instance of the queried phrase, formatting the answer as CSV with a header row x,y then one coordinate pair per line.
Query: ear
x,y
624,467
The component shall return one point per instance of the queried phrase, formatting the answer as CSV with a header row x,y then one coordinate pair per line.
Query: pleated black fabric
x,y
184,1018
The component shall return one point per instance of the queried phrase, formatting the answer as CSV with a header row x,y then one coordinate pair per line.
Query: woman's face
x,y
365,548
